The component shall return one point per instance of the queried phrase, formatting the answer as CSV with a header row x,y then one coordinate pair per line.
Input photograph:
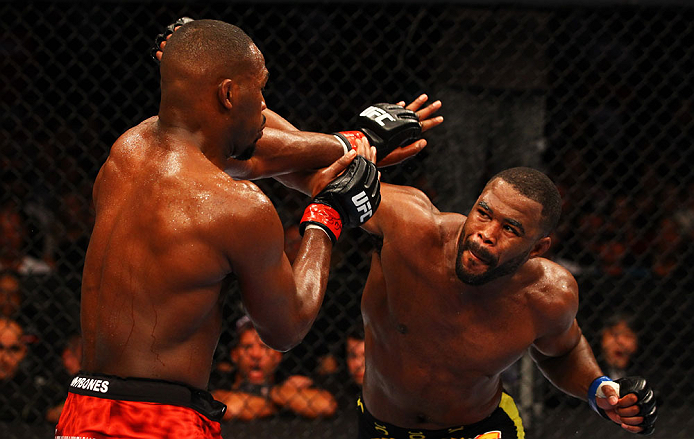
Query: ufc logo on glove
x,y
378,115
346,202
361,202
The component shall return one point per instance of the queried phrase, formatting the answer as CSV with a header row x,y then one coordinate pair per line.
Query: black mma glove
x,y
162,36
639,387
346,202
386,126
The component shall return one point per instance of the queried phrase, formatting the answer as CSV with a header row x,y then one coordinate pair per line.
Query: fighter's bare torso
x,y
151,302
435,347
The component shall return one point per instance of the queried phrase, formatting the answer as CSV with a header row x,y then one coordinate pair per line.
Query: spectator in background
x,y
344,378
619,343
14,306
10,295
611,252
70,357
258,393
13,236
75,222
354,355
24,395
44,308
667,248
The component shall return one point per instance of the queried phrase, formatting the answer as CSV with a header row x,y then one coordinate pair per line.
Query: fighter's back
x,y
153,270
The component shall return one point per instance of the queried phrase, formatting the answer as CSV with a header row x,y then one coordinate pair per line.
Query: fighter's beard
x,y
493,271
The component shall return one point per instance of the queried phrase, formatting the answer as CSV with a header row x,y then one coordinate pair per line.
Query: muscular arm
x,y
283,150
571,372
398,204
564,355
281,300
286,153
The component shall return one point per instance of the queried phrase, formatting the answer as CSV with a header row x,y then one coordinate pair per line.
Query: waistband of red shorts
x,y
147,390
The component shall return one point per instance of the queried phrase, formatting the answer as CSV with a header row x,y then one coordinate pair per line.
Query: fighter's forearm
x,y
572,372
281,152
311,269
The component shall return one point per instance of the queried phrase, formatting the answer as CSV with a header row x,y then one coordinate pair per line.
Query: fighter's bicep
x,y
265,291
555,311
263,271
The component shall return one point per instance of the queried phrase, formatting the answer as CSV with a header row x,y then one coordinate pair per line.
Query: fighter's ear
x,y
541,247
224,93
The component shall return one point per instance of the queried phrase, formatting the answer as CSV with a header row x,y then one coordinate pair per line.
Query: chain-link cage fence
x,y
600,98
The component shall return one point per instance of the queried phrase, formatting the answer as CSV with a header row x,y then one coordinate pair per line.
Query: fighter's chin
x,y
471,271
470,278
471,274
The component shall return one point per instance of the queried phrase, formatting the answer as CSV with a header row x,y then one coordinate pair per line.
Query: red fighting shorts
x,y
104,406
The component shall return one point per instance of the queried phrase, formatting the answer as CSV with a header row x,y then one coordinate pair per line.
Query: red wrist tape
x,y
352,137
325,215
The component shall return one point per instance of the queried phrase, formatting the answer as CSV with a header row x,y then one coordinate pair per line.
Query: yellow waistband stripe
x,y
509,406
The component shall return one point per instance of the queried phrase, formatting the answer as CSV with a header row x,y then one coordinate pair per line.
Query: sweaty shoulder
x,y
248,220
134,143
123,160
552,294
243,203
405,208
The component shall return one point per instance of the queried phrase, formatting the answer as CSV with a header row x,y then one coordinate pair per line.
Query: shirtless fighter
x,y
172,228
451,301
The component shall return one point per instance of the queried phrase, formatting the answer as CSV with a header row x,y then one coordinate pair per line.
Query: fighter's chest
x,y
487,339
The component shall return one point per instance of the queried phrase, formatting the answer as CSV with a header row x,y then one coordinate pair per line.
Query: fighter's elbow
x,y
283,341
243,169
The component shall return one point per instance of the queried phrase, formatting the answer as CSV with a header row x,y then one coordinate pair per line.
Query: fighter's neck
x,y
504,286
191,133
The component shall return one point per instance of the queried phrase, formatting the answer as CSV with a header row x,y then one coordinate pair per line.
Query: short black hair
x,y
627,318
209,44
537,186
